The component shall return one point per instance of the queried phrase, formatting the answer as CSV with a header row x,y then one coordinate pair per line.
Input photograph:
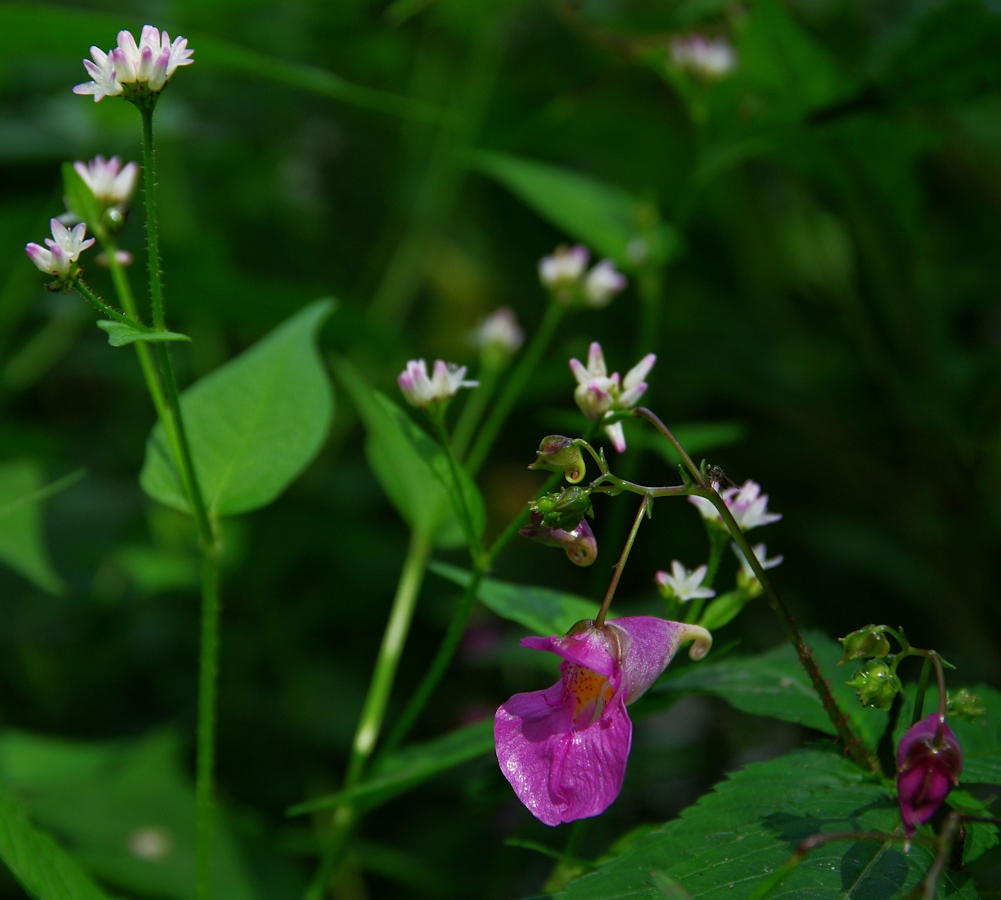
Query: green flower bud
x,y
557,453
876,685
563,510
865,643
965,704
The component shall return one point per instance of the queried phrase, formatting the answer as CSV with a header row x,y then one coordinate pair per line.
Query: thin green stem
x,y
644,413
466,518
523,371
477,403
102,306
919,697
152,235
599,620
718,539
208,672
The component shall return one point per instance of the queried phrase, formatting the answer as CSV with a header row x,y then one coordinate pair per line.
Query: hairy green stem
x,y
718,540
523,371
208,673
599,620
152,235
101,305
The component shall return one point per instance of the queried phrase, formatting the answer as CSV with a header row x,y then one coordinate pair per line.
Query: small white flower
x,y
123,257
748,505
683,584
564,268
62,252
760,553
597,394
102,71
422,391
711,59
499,330
109,181
603,282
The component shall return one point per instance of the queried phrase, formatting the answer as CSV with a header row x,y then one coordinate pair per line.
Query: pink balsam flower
x,y
929,763
564,749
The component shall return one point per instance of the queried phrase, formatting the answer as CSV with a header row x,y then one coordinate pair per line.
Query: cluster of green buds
x,y
876,683
558,453
563,509
560,520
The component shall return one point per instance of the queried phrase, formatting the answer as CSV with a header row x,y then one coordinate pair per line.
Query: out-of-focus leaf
x,y
44,869
49,31
980,739
728,843
410,767
125,809
724,609
774,684
541,610
22,544
410,466
253,424
121,335
605,217
153,569
695,437
80,198
980,836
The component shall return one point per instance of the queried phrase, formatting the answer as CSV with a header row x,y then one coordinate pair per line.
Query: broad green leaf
x,y
607,218
410,466
541,610
126,810
80,198
253,424
410,767
980,836
44,869
726,845
120,334
724,609
37,30
980,739
775,684
22,543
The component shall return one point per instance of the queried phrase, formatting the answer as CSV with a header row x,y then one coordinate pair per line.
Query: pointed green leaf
x,y
410,466
253,424
607,218
410,767
541,610
44,869
120,334
728,844
22,544
775,684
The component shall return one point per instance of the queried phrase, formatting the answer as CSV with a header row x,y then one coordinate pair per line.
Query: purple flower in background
x,y
564,749
929,761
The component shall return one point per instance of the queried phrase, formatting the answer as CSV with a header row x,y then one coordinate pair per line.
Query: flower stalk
x,y
644,510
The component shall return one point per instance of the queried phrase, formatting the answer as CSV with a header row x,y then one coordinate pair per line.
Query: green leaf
x,y
774,684
980,836
120,334
410,767
607,218
541,610
126,809
22,544
724,609
410,466
980,739
727,845
253,424
80,198
44,869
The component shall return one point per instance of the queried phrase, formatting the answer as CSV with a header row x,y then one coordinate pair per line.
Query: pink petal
x,y
652,644
590,649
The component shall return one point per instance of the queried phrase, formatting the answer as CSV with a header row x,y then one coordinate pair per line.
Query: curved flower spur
x,y
564,749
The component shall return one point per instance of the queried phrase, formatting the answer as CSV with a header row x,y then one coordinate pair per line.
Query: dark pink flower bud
x,y
579,543
929,762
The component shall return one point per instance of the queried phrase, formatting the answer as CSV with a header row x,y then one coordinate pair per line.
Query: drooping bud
x,y
564,509
578,542
965,704
868,642
558,453
876,684
929,763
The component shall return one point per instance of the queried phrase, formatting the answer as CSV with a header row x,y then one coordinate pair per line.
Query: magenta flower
x,y
929,762
564,749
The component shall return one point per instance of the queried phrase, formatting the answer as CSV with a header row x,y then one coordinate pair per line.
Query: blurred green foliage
x,y
812,243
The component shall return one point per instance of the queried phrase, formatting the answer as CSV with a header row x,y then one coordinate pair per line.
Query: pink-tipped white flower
x,y
64,248
563,275
150,63
102,72
422,391
564,268
709,59
760,553
603,282
682,584
499,331
109,181
748,505
598,395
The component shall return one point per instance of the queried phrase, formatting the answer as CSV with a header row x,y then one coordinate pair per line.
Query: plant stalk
x,y
208,673
599,620
152,232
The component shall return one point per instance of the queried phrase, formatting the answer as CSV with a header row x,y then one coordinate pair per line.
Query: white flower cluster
x,y
151,62
422,391
710,59
599,394
562,273
64,248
